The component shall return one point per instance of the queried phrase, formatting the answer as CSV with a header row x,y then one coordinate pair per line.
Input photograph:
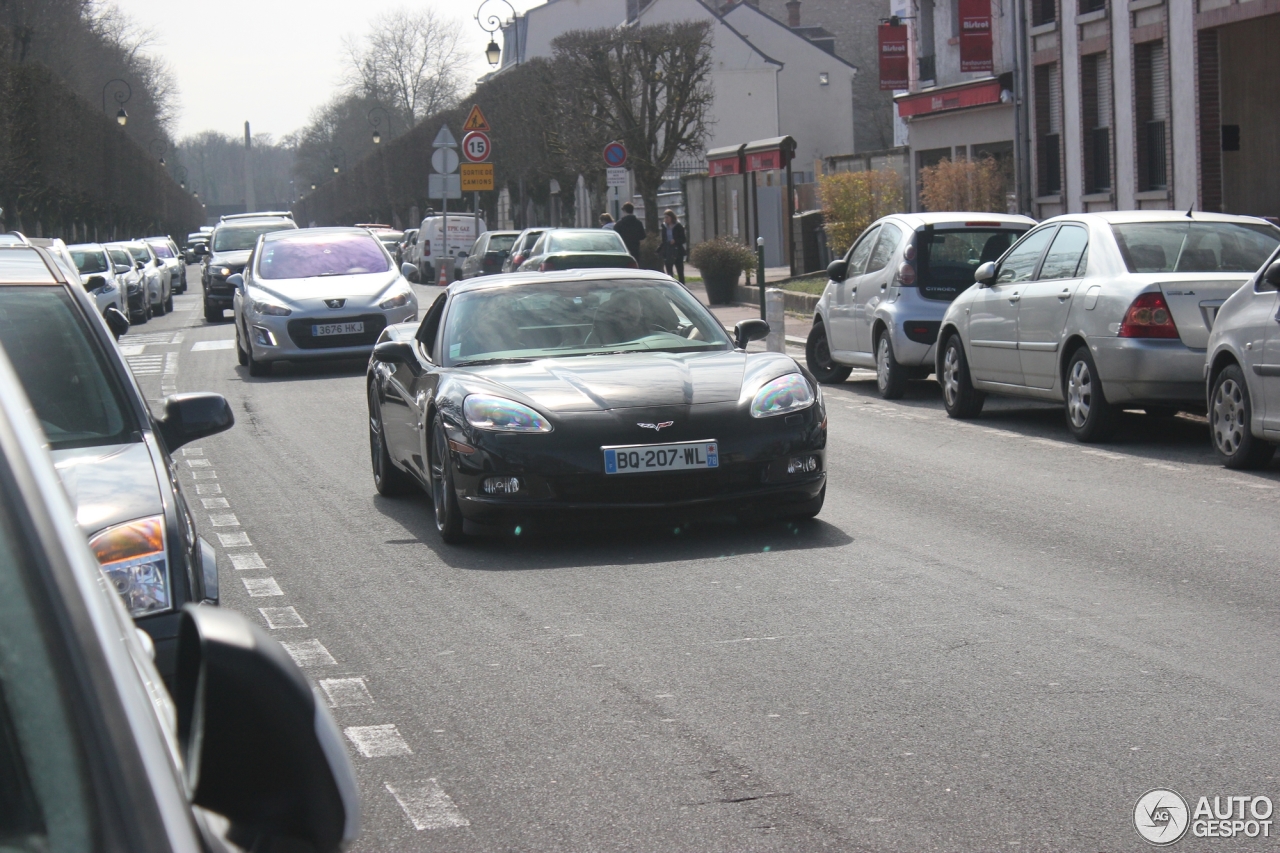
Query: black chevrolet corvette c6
x,y
547,397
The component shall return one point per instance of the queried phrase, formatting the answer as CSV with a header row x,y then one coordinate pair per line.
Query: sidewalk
x,y
730,315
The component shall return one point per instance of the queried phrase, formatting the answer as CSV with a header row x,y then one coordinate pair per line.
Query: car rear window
x,y
75,394
89,261
946,258
161,249
121,257
316,255
501,243
1191,246
585,241
139,253
242,238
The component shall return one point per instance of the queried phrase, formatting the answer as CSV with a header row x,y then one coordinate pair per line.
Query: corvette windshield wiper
x,y
478,361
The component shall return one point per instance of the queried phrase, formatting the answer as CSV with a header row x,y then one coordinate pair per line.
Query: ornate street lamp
x,y
339,157
376,121
121,96
157,147
491,22
180,172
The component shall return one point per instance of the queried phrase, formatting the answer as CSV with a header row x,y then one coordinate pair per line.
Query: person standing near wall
x,y
673,245
606,221
631,230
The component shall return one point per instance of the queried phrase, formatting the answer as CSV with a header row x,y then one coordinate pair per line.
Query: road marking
x,y
309,653
131,350
215,503
199,463
206,346
225,519
345,692
204,475
261,587
281,617
209,489
233,540
193,451
145,365
427,805
377,741
171,363
243,562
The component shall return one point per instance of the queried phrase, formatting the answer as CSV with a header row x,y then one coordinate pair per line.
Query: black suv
x,y
226,254
112,455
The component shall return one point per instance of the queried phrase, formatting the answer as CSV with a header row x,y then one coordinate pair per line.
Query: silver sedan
x,y
1100,311
316,293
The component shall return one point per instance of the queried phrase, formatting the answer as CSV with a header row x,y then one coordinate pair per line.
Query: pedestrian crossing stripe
x,y
476,121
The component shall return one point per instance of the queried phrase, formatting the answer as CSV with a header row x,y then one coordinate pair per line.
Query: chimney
x,y
793,13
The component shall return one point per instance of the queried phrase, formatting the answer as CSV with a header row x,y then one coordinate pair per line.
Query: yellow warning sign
x,y
476,121
477,177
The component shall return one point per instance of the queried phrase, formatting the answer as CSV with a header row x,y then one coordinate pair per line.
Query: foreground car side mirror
x,y
122,269
117,322
93,282
259,749
236,280
749,330
199,250
159,262
188,417
141,265
837,269
396,352
1272,276
985,274
410,272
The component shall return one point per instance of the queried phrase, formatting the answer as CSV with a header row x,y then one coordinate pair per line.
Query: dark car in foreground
x,y
94,752
540,398
578,248
112,455
226,254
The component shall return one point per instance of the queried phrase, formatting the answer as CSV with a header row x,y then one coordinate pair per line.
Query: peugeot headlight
x,y
270,309
133,557
780,396
398,301
502,415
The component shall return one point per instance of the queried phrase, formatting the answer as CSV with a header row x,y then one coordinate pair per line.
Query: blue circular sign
x,y
615,154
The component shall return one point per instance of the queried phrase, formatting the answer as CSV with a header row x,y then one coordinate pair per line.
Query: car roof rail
x,y
262,214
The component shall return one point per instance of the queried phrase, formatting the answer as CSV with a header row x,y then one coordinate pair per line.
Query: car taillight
x,y
1148,317
906,274
544,266
631,264
426,248
517,261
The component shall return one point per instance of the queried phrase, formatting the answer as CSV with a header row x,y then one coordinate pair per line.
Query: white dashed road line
x,y
427,805
244,562
261,587
206,346
377,741
281,617
234,540
309,653
346,692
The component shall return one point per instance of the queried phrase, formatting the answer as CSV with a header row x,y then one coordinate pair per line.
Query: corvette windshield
x,y
567,318
315,255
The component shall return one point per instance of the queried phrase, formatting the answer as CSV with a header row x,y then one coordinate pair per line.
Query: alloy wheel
x,y
1079,394
1228,417
439,459
375,433
882,363
951,375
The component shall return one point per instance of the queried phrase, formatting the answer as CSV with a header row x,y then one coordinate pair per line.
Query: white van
x,y
431,243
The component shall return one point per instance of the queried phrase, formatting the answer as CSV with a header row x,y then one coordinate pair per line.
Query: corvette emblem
x,y
657,427
335,304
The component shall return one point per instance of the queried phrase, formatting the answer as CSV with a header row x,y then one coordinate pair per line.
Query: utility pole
x,y
250,203
1021,124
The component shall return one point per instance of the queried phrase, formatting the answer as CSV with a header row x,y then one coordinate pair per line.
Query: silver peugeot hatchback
x,y
884,302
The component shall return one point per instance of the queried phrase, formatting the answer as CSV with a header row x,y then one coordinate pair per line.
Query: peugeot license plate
x,y
647,458
356,328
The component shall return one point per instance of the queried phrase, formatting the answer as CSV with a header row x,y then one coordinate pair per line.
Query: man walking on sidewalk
x,y
672,248
631,230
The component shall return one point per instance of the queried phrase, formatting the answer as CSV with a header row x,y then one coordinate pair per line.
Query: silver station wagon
x,y
1100,311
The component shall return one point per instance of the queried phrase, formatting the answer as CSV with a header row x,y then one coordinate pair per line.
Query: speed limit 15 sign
x,y
476,146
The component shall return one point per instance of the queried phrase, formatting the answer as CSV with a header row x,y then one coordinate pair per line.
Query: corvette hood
x,y
633,380
109,484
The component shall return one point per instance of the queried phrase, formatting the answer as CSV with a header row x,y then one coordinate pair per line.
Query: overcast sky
x,y
270,62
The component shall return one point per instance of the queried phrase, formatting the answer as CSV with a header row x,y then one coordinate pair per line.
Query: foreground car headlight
x,y
397,301
224,271
502,415
785,394
270,309
133,557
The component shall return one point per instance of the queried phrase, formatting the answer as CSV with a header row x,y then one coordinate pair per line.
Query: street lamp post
x,y
491,22
120,96
157,147
180,172
376,121
339,158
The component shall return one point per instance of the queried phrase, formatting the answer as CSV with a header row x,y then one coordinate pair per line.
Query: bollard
x,y
775,314
760,272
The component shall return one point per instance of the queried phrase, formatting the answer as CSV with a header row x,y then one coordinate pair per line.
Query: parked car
x,y
133,283
189,253
389,236
578,248
1242,372
97,754
113,456
100,276
317,293
168,253
550,397
884,302
488,253
260,214
227,253
521,247
409,239
1100,311
432,245
153,274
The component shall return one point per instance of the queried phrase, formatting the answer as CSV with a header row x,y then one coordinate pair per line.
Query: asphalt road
x,y
991,638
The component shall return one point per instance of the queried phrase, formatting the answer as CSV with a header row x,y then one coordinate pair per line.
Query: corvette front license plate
x,y
647,458
337,329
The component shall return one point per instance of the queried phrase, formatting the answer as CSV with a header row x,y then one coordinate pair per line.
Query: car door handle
x,y
1014,297
1065,294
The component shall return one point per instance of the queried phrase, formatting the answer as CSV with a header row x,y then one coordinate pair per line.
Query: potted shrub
x,y
721,262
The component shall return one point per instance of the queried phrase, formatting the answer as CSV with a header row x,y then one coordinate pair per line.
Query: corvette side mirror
x,y
985,274
749,330
396,353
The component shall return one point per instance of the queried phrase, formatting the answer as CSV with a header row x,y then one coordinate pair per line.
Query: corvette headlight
x,y
502,415
270,309
397,301
785,394
133,557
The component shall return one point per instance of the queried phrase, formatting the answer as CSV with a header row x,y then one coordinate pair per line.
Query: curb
x,y
800,303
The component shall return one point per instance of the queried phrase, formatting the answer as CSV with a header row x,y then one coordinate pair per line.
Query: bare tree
x,y
648,87
410,61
